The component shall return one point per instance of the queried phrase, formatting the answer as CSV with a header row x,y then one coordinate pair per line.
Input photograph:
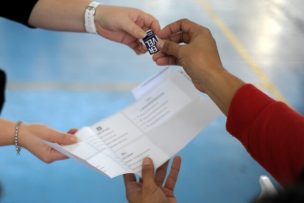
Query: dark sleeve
x,y
272,132
18,11
2,89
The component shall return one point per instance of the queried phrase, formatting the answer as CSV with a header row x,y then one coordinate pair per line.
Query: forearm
x,y
221,86
7,130
270,130
61,15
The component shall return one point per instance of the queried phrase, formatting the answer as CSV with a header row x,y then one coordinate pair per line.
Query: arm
x,y
270,131
31,137
200,60
61,15
120,24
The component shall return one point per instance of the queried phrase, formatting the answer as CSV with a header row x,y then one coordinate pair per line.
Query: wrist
x,y
207,78
7,132
103,16
90,17
23,133
221,87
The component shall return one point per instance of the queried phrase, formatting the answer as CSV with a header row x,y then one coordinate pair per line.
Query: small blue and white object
x,y
150,41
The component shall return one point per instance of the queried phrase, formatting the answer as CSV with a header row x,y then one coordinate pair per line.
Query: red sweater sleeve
x,y
272,132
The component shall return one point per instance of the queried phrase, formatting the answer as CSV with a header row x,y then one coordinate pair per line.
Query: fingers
x,y
137,47
166,61
180,37
161,173
138,22
174,171
136,28
169,48
148,173
130,184
58,137
151,22
184,26
129,178
133,29
182,31
41,150
53,155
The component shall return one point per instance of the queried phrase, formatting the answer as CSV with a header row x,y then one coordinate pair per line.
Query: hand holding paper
x,y
167,114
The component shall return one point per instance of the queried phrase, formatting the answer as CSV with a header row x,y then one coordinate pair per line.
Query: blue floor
x,y
68,80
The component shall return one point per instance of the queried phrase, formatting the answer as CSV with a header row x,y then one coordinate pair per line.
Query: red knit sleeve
x,y
272,132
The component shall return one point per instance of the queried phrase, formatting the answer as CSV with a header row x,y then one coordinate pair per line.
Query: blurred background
x,y
68,80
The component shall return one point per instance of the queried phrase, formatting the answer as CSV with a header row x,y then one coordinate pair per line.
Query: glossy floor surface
x,y
68,80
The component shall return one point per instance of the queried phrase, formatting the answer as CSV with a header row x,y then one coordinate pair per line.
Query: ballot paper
x,y
168,112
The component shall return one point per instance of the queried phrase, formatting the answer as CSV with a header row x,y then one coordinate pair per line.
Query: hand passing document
x,y
167,114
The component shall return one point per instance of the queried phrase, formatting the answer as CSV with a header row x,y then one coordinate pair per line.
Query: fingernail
x,y
147,161
160,44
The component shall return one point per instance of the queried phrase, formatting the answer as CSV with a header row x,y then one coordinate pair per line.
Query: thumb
x,y
169,47
60,138
133,29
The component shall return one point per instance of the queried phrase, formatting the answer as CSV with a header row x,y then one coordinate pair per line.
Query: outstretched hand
x,y
191,46
154,187
32,137
125,25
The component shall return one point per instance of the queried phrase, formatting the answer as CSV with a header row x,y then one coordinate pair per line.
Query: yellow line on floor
x,y
242,51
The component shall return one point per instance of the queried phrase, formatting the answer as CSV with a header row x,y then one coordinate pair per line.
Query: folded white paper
x,y
167,114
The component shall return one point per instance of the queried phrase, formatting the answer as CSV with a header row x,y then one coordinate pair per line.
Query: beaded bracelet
x,y
17,145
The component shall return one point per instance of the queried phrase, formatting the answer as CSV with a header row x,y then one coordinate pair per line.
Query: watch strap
x,y
89,17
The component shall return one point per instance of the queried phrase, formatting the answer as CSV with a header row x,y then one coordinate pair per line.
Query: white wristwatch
x,y
89,17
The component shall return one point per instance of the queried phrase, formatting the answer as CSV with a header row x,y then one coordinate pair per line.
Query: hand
x,y
198,55
152,188
125,25
31,137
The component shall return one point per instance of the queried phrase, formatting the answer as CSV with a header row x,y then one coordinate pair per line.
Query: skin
x,y
153,187
119,24
193,47
32,137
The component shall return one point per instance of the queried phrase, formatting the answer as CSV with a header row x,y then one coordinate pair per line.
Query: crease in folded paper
x,y
167,114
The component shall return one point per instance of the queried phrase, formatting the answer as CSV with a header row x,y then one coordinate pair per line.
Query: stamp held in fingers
x,y
150,41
